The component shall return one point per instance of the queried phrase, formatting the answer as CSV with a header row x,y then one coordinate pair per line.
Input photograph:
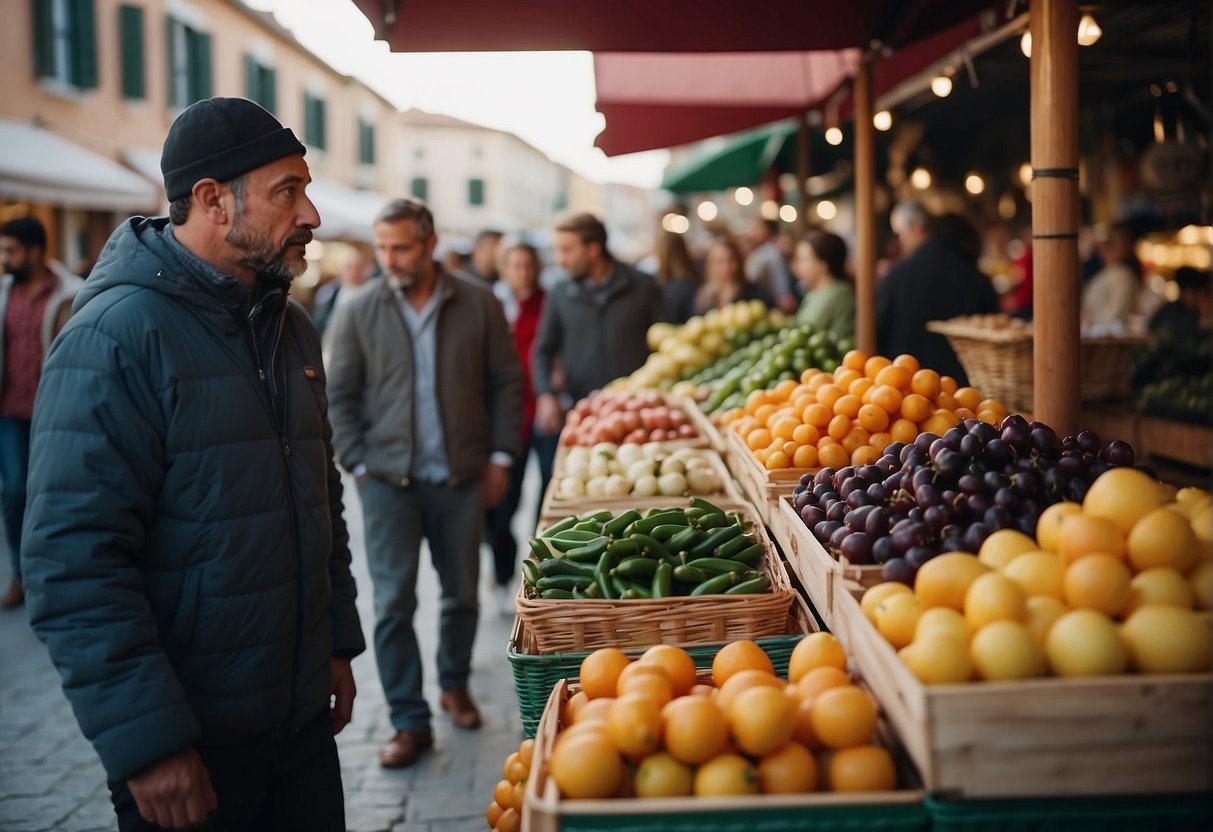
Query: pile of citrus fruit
x,y
849,416
1120,582
504,813
651,728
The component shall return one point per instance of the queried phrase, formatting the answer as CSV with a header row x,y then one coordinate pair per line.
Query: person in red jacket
x,y
523,299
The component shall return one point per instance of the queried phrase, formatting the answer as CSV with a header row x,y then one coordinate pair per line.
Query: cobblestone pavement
x,y
50,778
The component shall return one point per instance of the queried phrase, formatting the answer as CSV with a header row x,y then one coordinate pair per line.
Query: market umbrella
x,y
746,158
647,26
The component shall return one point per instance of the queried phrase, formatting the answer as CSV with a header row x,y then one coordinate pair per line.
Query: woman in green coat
x,y
820,264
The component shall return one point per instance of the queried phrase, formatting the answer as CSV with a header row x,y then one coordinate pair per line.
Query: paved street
x,y
50,778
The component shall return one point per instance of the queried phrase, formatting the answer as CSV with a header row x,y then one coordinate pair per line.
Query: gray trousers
x,y
451,519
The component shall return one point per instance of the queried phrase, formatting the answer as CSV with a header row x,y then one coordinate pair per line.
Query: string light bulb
x,y
1025,44
834,136
883,121
1089,32
941,85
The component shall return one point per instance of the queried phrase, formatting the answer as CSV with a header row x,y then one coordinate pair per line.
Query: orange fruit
x,y
1084,534
586,766
678,665
865,768
828,394
758,439
989,417
777,460
800,401
843,717
993,406
492,813
903,430
968,397
844,378
1098,582
817,415
526,752
782,427
948,385
940,421
737,656
815,651
839,427
1163,538
848,406
854,360
694,728
510,821
761,455
754,400
817,379
1048,527
926,384
652,686
634,725
886,398
599,673
874,365
762,719
821,679
833,456
790,770
802,723
594,710
790,447
763,413
784,390
663,775
880,440
856,438
514,770
806,434
744,680
805,457
519,796
503,793
860,387
873,418
709,691
894,376
915,407
907,361
724,775
945,401
571,707
963,413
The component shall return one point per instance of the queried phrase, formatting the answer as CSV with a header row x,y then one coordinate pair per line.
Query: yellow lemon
x,y
1004,546
1048,527
993,597
1098,582
1085,643
1162,538
896,618
1166,639
938,659
1038,573
943,580
1040,614
1160,585
942,619
1006,650
1201,580
873,596
1124,496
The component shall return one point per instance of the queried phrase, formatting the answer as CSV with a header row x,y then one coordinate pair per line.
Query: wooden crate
x,y
557,507
822,575
761,487
559,626
545,811
1042,737
1180,441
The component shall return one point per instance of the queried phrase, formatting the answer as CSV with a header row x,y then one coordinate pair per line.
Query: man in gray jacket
x,y
594,323
184,553
426,393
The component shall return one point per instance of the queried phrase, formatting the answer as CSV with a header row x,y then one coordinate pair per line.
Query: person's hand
x,y
176,792
549,417
496,484
343,694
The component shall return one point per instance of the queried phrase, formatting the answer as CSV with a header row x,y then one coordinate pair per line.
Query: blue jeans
x,y
396,519
14,468
499,519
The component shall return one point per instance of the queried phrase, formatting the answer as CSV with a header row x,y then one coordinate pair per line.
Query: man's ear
x,y
208,199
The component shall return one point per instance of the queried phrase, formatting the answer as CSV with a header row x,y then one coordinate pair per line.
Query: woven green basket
x,y
536,674
1163,813
872,818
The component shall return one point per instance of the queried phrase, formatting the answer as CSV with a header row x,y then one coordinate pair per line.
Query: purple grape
x,y
984,432
919,555
840,534
928,495
1025,524
883,550
1076,491
1005,498
806,480
936,517
836,512
892,484
859,498
914,458
856,519
924,440
857,548
971,484
923,476
998,451
825,475
812,515
1089,442
899,570
1072,466
908,535
1097,469
1043,439
878,493
1018,437
1029,508
914,515
801,499
1069,443
975,535
995,480
953,544
845,472
1055,480
895,449
980,503
821,489
955,436
901,504
995,517
1024,484
828,497
949,531
1015,420
877,524
969,424
971,446
823,530
1119,453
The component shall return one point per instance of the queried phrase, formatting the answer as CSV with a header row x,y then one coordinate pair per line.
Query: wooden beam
x,y
1055,213
865,211
804,151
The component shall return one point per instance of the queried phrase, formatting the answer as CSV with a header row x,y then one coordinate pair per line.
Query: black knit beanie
x,y
221,138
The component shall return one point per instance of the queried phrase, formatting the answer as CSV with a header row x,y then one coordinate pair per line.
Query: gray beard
x,y
258,253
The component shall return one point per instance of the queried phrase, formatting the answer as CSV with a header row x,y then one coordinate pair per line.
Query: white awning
x,y
37,165
345,213
147,163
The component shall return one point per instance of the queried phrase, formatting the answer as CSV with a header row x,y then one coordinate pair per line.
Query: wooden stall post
x,y
804,151
865,211
1055,212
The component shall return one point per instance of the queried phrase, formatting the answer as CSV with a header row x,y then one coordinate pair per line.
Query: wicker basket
x,y
587,624
535,673
999,362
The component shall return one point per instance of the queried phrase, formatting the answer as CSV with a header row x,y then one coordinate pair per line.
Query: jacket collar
x,y
446,285
618,280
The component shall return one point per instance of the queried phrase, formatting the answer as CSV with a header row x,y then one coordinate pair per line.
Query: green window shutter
x,y
420,188
131,27
252,79
174,99
309,119
200,66
321,123
475,192
269,89
84,44
44,38
366,142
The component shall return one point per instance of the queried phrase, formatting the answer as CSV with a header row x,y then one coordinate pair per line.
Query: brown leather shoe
x,y
15,596
458,703
403,749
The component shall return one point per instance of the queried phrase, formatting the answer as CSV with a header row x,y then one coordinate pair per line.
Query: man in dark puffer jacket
x,y
187,563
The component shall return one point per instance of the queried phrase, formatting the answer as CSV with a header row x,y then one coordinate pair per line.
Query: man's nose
x,y
309,216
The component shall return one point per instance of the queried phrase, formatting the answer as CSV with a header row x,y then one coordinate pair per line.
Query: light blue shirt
x,y
429,443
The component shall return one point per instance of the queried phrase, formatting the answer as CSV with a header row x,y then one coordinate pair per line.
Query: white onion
x,y
672,485
645,487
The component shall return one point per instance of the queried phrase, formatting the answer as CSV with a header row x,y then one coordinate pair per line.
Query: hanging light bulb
x,y
883,120
788,213
834,136
707,210
941,85
744,196
827,210
1025,44
769,210
921,178
1025,174
974,184
1089,32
